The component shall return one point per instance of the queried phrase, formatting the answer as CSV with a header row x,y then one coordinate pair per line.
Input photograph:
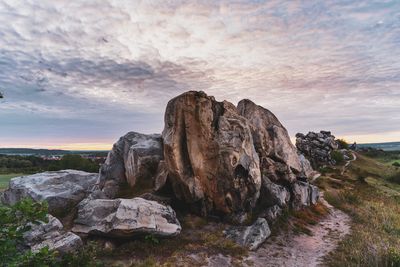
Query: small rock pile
x,y
317,147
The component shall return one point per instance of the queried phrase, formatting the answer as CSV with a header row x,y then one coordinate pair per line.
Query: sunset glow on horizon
x,y
78,75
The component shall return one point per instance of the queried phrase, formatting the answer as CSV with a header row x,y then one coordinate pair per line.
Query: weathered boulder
x,y
62,190
279,158
309,172
317,147
133,160
250,236
273,194
209,155
125,218
304,194
51,234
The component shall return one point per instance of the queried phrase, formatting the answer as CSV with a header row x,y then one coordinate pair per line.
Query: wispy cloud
x,y
115,64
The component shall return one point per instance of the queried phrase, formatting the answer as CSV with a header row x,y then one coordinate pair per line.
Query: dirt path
x,y
348,163
289,249
292,250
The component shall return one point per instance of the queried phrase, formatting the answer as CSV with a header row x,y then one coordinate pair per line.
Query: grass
x,y
365,193
5,178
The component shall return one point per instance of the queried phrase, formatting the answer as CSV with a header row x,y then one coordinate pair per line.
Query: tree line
x,y
34,164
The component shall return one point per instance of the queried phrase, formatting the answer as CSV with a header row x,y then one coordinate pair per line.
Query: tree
x,y
75,162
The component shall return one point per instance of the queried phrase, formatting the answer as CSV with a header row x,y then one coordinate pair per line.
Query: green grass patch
x,y
5,178
373,202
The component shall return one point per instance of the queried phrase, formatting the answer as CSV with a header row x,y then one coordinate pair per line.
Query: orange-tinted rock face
x,y
209,154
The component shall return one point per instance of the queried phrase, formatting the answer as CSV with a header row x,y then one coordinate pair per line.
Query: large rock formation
x,y
133,160
209,155
317,147
62,190
51,235
213,157
125,218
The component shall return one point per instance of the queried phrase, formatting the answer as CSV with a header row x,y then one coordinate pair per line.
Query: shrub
x,y
151,239
395,178
15,221
75,162
342,144
337,156
396,164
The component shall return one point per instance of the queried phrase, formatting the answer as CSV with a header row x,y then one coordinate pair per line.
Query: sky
x,y
80,74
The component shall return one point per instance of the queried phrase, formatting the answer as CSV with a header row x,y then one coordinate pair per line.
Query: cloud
x,y
332,65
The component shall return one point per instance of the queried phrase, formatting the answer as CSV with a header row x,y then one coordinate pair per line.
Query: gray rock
x,y
273,194
317,147
314,194
271,214
304,194
125,218
309,172
51,234
250,236
210,156
133,159
62,190
301,194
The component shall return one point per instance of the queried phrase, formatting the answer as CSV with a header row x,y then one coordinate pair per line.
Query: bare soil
x,y
289,249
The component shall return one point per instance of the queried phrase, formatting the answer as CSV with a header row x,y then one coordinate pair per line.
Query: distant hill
x,y
45,152
390,146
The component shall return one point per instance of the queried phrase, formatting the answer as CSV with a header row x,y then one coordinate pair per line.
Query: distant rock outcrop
x,y
317,147
209,155
62,190
133,160
125,218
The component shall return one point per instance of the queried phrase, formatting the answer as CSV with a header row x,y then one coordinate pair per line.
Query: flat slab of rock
x,y
250,236
51,235
125,218
62,190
